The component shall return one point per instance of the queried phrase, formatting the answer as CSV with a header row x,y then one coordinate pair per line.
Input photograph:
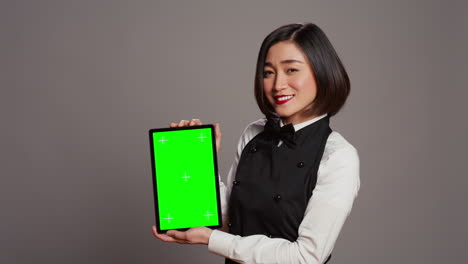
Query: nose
x,y
280,82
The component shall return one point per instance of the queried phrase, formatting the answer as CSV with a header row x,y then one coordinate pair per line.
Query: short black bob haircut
x,y
332,81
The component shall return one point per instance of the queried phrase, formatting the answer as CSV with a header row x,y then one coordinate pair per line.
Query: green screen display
x,y
184,168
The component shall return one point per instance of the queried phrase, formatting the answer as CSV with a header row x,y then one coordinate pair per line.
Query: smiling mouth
x,y
282,99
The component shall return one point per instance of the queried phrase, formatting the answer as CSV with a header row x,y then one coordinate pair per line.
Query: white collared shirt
x,y
331,202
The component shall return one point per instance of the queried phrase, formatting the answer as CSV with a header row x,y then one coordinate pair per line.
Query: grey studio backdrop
x,y
83,81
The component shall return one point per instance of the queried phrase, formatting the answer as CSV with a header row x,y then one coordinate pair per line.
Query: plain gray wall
x,y
82,82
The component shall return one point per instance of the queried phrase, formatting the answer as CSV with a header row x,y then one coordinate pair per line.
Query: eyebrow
x,y
267,63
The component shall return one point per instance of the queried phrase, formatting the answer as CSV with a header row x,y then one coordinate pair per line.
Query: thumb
x,y
177,234
217,131
218,136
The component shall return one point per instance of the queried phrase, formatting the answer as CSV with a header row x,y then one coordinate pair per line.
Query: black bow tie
x,y
285,133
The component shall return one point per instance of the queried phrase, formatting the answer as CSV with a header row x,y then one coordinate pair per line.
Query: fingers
x,y
162,237
182,123
196,235
195,122
168,238
177,235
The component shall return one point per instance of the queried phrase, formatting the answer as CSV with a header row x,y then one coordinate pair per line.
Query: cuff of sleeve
x,y
220,243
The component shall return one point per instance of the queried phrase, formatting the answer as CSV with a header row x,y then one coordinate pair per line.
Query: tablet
x,y
185,177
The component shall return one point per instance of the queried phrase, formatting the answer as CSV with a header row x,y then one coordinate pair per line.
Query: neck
x,y
296,120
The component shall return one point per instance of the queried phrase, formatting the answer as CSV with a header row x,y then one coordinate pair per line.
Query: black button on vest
x,y
287,174
277,198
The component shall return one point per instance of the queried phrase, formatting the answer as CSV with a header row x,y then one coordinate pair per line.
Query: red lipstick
x,y
282,99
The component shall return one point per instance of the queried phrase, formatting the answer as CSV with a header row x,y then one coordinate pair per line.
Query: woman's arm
x,y
337,187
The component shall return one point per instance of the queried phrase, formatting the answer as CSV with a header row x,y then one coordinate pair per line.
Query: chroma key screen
x,y
184,167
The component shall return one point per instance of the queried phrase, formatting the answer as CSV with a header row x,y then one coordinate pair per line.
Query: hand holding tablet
x,y
197,122
185,177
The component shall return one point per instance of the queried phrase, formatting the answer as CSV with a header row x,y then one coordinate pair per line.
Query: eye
x,y
267,73
291,70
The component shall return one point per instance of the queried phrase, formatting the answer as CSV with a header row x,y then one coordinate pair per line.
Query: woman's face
x,y
289,82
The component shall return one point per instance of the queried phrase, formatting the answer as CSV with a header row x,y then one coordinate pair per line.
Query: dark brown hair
x,y
332,81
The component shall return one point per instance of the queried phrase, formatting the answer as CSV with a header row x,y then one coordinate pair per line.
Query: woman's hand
x,y
195,235
197,122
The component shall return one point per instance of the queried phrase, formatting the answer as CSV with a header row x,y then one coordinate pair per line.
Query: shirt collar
x,y
305,123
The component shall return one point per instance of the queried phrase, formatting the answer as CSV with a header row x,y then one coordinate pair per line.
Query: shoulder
x,y
338,149
250,131
255,127
338,175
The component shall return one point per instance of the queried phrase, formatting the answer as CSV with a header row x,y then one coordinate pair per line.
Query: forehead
x,y
285,50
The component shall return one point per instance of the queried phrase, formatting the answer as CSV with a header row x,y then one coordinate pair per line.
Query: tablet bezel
x,y
154,175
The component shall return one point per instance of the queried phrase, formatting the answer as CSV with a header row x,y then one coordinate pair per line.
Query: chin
x,y
283,113
284,116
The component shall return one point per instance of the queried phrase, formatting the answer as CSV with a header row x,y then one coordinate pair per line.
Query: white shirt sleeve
x,y
331,202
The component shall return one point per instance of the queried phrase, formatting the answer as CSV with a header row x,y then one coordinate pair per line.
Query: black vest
x,y
274,184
